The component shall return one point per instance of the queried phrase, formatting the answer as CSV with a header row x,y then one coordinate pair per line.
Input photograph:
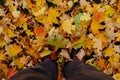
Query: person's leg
x,y
77,70
42,71
49,66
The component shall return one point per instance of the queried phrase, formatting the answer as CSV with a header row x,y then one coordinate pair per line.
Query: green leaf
x,y
45,53
61,59
76,20
78,45
57,41
95,65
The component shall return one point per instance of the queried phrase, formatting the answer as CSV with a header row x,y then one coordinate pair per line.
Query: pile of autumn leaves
x,y
33,29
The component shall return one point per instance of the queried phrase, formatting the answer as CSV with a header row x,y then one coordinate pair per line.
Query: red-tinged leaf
x,y
11,72
39,31
99,16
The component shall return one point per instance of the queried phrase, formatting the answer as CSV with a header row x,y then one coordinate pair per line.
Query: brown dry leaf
x,y
65,54
80,54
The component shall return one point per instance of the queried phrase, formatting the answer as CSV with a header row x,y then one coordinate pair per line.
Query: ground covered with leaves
x,y
33,29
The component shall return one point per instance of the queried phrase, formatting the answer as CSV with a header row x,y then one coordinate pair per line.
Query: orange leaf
x,y
102,64
39,31
99,16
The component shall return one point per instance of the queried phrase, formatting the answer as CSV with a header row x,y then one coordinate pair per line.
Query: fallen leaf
x,y
40,2
95,26
58,2
109,10
14,11
14,49
56,40
76,20
118,19
11,72
1,29
85,17
99,16
109,51
97,44
65,54
52,15
2,55
102,64
45,53
39,31
84,3
3,67
2,43
38,12
67,26
116,76
114,59
80,54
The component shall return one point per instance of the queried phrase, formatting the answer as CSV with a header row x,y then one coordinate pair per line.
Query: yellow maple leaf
x,y
36,11
2,43
67,25
116,76
109,10
20,62
114,59
102,36
85,42
109,51
2,56
29,3
28,32
52,15
118,19
14,11
40,2
22,21
14,49
58,2
88,43
118,38
10,33
95,26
